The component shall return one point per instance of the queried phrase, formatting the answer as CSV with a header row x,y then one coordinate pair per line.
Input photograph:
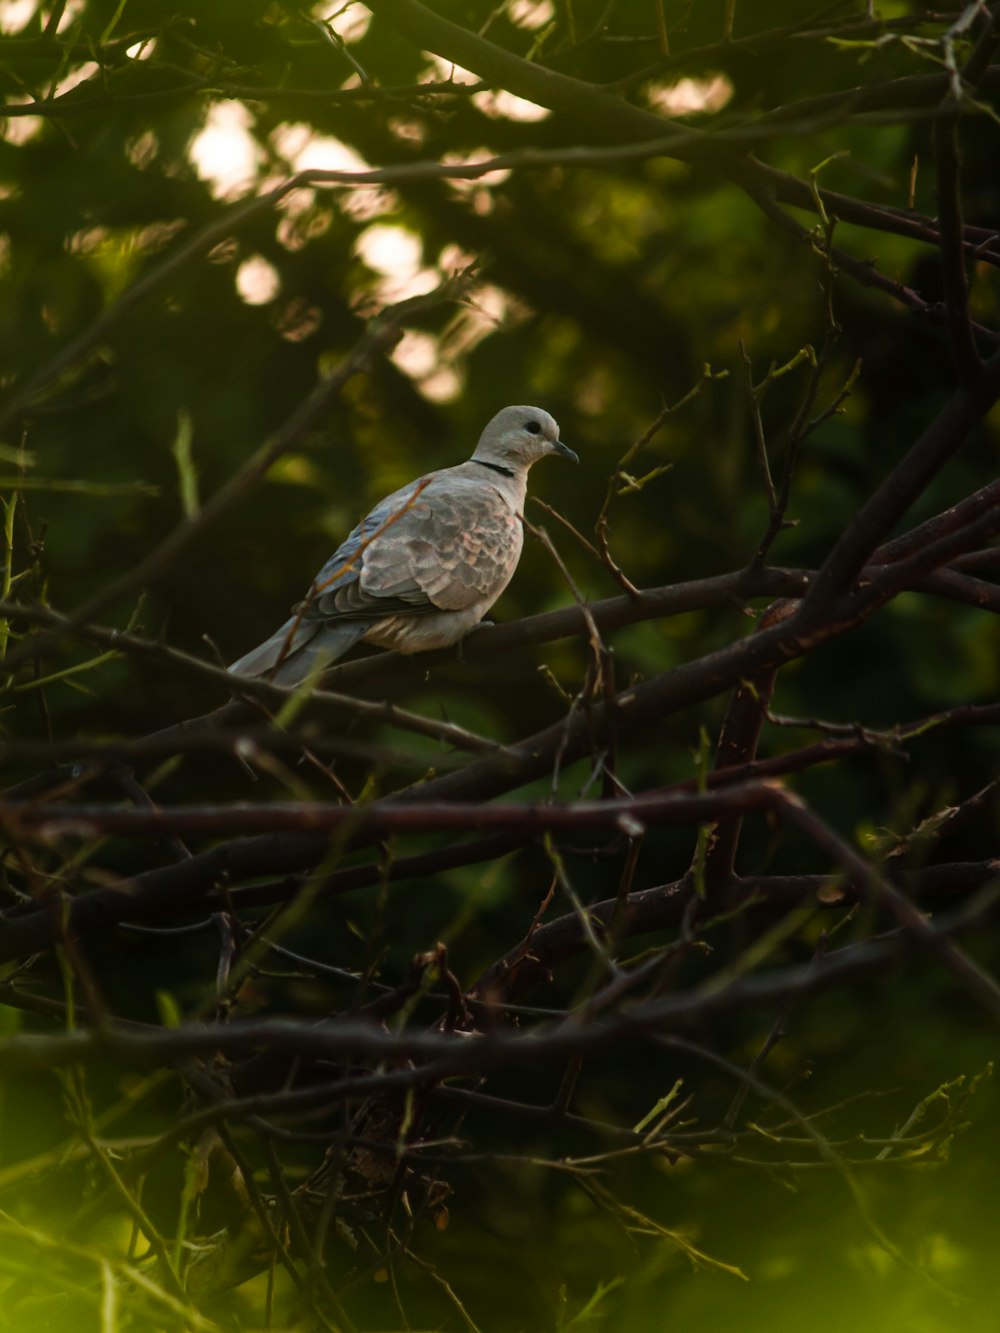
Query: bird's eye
x,y
533,428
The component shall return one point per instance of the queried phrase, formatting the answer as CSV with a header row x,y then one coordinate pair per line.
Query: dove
x,y
424,567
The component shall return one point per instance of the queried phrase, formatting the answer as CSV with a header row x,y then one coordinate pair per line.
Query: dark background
x,y
599,294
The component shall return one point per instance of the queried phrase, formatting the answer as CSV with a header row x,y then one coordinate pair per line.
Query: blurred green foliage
x,y
600,295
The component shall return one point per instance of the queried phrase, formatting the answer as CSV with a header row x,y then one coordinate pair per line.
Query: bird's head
x,y
518,437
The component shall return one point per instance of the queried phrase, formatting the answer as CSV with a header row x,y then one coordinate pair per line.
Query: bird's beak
x,y
565,451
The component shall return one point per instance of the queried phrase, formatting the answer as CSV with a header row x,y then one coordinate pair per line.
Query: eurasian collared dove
x,y
426,564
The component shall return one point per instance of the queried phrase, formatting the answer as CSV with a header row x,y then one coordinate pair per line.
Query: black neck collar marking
x,y
494,467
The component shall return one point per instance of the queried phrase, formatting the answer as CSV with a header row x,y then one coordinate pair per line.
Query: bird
x,y
424,567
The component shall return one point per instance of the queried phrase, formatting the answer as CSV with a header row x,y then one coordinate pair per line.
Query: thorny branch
x,y
668,957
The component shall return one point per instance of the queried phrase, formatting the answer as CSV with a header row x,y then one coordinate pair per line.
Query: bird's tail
x,y
299,647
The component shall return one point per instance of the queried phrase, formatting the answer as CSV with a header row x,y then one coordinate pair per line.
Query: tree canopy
x,y
636,960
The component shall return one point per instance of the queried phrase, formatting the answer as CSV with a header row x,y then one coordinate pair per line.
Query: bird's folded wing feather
x,y
439,544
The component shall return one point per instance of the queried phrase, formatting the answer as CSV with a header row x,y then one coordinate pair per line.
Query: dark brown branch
x,y
963,588
177,887
950,520
242,741
609,117
72,104
737,747
923,562
890,501
718,590
973,978
663,907
380,818
209,732
482,779
946,823
862,270
976,67
805,29
448,1055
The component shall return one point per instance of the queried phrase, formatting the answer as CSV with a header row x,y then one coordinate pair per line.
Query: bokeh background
x,y
602,295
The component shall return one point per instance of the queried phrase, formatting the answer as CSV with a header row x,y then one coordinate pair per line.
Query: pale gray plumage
x,y
426,564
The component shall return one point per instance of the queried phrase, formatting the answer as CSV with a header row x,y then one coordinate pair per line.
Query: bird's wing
x,y
335,604
443,543
447,542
